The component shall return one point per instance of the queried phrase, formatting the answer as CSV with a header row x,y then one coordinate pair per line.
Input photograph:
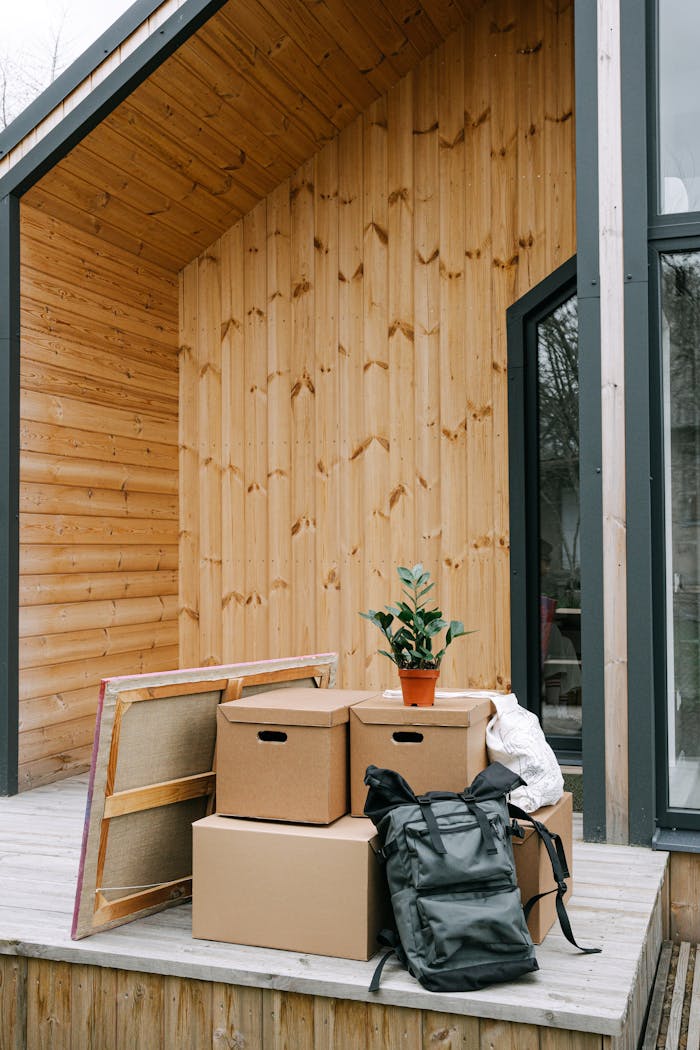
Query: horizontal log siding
x,y
344,390
98,484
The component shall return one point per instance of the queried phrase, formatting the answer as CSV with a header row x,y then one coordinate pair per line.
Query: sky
x,y
22,21
29,30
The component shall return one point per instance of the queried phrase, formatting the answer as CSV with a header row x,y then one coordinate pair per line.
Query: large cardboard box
x,y
303,888
533,867
282,754
439,748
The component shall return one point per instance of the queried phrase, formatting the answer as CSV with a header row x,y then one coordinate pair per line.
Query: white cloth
x,y
514,737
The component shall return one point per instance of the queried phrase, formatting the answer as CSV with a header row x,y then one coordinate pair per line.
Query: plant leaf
x,y
455,630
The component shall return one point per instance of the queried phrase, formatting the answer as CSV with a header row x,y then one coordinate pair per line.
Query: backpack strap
x,y
433,829
560,870
387,939
483,822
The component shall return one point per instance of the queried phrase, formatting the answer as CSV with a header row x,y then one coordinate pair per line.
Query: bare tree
x,y
24,73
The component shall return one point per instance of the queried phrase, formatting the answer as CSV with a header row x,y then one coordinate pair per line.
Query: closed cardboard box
x,y
439,748
302,888
283,755
533,867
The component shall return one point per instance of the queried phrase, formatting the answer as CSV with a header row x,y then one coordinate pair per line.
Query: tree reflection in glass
x,y
680,297
559,520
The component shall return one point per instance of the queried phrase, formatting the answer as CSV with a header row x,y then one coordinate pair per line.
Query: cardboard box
x,y
439,748
282,754
533,867
298,887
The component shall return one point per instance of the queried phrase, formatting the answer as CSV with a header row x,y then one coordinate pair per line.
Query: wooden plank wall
x,y
684,891
343,380
98,484
76,1007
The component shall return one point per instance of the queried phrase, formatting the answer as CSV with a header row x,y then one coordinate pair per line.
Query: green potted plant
x,y
411,641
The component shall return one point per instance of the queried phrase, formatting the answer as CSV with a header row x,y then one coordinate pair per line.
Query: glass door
x,y
680,373
559,572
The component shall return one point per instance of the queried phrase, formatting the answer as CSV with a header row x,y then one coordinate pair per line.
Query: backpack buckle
x,y
516,831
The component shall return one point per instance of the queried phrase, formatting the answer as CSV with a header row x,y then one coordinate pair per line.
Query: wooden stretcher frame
x,y
126,698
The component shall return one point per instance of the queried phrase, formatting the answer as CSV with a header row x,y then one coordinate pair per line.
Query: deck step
x,y
673,1022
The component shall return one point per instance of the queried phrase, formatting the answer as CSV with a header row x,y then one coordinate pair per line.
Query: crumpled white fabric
x,y
514,737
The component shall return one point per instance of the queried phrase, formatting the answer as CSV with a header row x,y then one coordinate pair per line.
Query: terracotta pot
x,y
418,687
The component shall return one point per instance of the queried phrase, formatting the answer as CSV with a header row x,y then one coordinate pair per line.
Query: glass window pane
x,y
680,295
679,106
559,517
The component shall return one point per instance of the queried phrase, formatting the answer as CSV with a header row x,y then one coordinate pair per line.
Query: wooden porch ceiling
x,y
246,100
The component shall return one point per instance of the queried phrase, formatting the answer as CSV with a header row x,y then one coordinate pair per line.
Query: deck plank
x,y
676,1014
39,850
693,1040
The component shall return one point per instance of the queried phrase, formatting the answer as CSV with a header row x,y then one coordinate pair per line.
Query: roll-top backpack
x,y
460,923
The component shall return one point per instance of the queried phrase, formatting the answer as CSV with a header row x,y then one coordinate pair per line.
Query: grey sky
x,y
27,24
40,38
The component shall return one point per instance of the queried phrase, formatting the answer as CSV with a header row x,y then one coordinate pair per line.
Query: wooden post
x,y
613,419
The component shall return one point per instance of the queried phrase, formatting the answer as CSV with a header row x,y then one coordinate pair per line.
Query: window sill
x,y
676,841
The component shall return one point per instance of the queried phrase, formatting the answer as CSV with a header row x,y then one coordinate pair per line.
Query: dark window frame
x,y
522,320
667,816
667,233
661,224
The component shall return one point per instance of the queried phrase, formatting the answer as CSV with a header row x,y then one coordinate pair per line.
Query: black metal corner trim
x,y
9,493
640,633
586,85
77,71
108,94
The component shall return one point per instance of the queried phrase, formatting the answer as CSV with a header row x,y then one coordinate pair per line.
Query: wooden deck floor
x,y
617,904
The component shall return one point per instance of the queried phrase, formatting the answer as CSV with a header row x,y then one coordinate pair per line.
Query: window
x,y
556,379
545,506
679,275
674,242
678,106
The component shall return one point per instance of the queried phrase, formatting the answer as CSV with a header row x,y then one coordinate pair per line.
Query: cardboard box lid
x,y
449,711
544,815
345,829
295,706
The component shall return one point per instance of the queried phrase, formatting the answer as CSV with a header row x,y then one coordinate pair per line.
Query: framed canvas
x,y
153,774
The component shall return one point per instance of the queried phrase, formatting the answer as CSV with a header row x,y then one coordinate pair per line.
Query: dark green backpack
x,y
460,924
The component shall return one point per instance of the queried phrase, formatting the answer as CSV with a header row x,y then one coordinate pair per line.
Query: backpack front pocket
x,y
466,861
473,928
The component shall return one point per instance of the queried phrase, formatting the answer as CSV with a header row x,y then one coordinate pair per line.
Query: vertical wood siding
x,y
361,342
98,482
78,1007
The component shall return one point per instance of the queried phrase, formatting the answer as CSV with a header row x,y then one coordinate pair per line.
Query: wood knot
x,y
301,289
380,232
452,143
396,494
398,195
530,50
305,382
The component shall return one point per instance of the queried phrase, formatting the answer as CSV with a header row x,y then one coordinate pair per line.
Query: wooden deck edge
x,y
86,1007
639,1002
409,996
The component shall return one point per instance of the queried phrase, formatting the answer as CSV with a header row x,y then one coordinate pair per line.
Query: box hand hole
x,y
404,737
272,735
